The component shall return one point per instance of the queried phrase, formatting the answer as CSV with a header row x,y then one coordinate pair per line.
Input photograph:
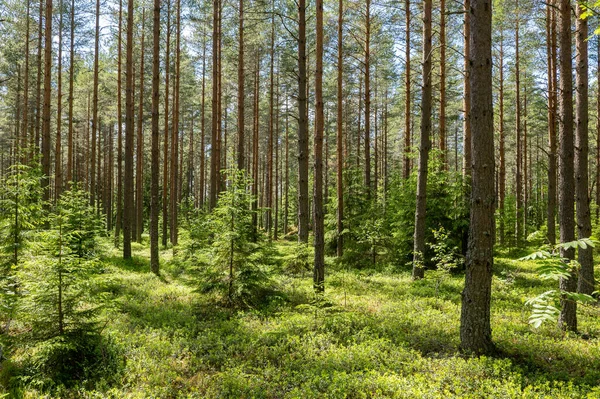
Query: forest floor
x,y
374,335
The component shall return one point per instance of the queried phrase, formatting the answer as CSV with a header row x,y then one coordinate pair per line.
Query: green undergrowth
x,y
375,334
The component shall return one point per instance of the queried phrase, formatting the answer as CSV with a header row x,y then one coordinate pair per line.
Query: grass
x,y
374,335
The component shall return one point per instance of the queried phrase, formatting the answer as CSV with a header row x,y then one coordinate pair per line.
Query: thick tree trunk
x,y
584,217
215,163
418,270
155,162
302,127
566,182
475,329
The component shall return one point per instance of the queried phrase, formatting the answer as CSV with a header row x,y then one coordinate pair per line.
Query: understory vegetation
x,y
374,334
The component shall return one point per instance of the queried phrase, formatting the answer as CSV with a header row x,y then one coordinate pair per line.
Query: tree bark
x,y
58,172
368,98
139,175
340,133
240,105
467,94
319,229
70,146
155,163
215,163
93,188
407,100
566,184
475,329
165,188
551,50
443,84
501,132
519,139
174,196
128,184
47,101
584,218
418,270
302,127
119,220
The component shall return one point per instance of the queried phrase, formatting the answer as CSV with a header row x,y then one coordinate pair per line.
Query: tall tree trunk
x,y
368,99
175,130
443,84
467,94
214,158
165,188
70,148
551,50
95,106
302,127
598,136
584,217
255,143
202,123
502,167
240,105
47,101
25,122
119,221
139,174
38,104
319,229
58,173
407,99
269,180
519,140
475,329
566,182
155,162
418,270
128,215
340,133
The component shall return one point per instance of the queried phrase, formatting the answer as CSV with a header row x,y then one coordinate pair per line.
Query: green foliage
x,y
236,267
21,212
446,256
446,208
546,306
58,285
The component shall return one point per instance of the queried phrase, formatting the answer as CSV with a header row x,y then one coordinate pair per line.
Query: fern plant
x,y
546,306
